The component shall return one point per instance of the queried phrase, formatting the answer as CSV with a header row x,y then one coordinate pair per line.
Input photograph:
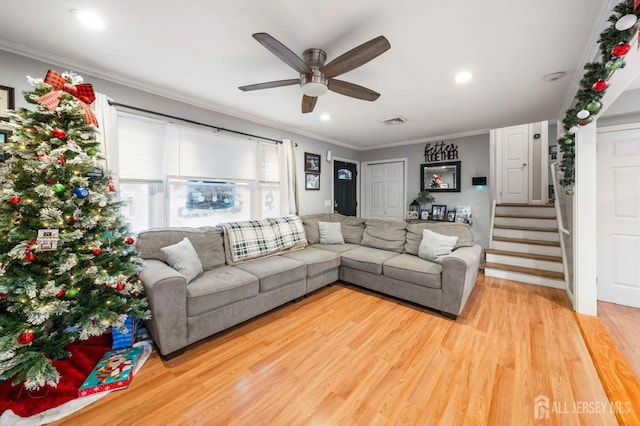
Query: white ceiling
x,y
201,51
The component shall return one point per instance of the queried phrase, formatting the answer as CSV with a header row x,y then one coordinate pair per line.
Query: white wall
x,y
15,68
473,152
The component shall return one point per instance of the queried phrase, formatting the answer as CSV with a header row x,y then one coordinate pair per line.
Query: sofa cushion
x,y
183,258
435,246
330,233
412,269
385,235
310,224
451,229
317,261
206,240
352,229
219,287
336,248
275,271
367,259
252,239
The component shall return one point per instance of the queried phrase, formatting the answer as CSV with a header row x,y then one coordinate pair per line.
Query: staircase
x,y
525,245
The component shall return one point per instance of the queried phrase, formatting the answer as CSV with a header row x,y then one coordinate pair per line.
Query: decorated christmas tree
x,y
68,269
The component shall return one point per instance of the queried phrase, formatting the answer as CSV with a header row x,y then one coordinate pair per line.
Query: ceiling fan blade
x,y
353,90
357,56
308,103
282,52
270,84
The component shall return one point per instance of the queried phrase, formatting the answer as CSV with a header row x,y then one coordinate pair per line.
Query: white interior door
x,y
515,164
618,216
384,187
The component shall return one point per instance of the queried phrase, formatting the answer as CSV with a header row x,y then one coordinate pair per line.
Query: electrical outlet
x,y
327,203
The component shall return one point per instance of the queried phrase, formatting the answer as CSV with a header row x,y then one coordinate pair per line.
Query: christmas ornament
x,y
60,293
120,286
586,121
568,141
600,85
51,181
59,133
14,200
58,188
594,106
626,22
92,152
569,192
111,187
102,203
82,92
26,337
95,174
129,240
47,240
573,130
3,296
97,251
72,292
81,192
7,185
60,160
84,136
30,257
621,49
582,114
614,64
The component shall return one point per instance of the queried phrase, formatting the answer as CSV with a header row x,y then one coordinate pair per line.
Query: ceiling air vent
x,y
392,121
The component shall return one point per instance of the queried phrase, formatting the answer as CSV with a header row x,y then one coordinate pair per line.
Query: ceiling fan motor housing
x,y
315,83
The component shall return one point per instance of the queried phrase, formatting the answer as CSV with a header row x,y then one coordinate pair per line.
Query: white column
x,y
584,221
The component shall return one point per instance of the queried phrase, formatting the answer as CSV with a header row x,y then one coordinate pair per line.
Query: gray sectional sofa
x,y
378,255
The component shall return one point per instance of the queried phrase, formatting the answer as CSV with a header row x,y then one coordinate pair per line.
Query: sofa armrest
x,y
166,292
459,273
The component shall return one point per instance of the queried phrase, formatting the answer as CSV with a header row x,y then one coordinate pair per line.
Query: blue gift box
x,y
124,340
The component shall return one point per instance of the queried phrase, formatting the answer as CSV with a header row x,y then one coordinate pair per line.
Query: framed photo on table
x,y
451,216
311,181
4,138
438,212
311,162
7,101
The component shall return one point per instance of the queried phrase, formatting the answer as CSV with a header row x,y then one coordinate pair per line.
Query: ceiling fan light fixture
x,y
314,85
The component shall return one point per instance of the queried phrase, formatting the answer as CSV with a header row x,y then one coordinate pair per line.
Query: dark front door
x,y
344,188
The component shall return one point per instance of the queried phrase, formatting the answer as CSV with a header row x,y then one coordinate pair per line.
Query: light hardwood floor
x,y
623,323
348,356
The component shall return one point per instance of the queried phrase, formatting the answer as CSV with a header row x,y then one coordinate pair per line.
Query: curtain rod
x,y
117,104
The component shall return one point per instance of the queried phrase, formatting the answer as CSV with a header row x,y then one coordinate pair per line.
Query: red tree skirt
x,y
73,370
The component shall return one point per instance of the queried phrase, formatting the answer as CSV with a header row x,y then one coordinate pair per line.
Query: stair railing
x,y
493,220
561,229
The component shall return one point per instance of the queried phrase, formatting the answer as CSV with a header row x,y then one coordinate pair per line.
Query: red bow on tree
x,y
82,92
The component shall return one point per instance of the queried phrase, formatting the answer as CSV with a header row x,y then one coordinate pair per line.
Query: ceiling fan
x,y
316,77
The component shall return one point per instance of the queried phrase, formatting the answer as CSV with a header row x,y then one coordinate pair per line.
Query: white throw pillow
x,y
435,246
183,258
330,233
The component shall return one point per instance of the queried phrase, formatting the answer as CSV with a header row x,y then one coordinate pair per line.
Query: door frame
x,y
363,181
495,162
333,175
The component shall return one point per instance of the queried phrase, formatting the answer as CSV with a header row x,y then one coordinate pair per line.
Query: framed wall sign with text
x,y
7,101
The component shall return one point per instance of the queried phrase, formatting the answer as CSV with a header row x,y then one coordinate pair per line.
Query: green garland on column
x,y
613,45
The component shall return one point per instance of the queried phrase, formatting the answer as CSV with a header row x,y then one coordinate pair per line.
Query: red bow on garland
x,y
82,92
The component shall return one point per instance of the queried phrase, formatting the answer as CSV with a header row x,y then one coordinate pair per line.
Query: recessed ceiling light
x,y
325,117
89,19
553,77
463,77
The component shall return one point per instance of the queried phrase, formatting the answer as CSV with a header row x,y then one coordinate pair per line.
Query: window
x,y
173,175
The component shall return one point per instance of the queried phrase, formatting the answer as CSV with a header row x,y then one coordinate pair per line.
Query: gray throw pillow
x,y
435,246
183,258
330,233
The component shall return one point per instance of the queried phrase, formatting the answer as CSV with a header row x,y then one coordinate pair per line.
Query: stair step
x,y
517,216
526,228
524,205
523,270
524,241
537,223
525,255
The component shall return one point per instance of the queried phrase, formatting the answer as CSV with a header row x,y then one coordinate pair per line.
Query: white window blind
x,y
140,142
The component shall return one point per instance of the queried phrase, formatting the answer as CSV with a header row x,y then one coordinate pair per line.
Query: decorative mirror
x,y
440,177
